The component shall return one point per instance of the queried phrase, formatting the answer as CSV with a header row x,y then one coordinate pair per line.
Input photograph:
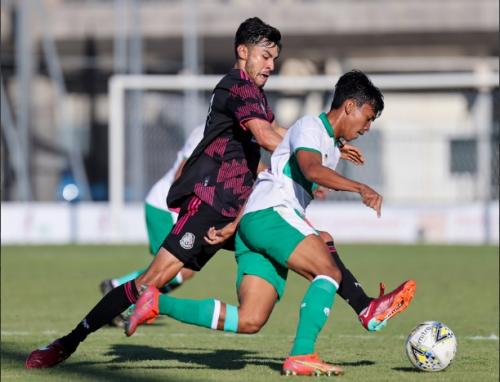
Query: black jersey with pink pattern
x,y
223,167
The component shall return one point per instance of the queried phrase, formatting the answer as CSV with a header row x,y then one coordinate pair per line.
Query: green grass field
x,y
46,290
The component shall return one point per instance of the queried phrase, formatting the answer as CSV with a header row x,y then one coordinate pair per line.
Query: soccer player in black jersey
x,y
215,182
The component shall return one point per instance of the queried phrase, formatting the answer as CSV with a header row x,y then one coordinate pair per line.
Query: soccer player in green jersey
x,y
306,158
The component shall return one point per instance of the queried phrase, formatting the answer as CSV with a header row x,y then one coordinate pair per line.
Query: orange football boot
x,y
146,310
309,364
375,316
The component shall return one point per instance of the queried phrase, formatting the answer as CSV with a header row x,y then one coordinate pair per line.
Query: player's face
x,y
260,62
359,121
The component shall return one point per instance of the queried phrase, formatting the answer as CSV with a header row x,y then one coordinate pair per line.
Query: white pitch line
x,y
14,333
6,333
492,337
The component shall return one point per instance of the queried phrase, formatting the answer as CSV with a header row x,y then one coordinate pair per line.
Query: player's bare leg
x,y
163,268
311,258
257,300
184,275
109,284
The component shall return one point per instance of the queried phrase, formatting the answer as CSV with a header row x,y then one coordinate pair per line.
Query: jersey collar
x,y
329,129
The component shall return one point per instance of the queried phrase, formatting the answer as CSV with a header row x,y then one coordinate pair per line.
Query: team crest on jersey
x,y
187,240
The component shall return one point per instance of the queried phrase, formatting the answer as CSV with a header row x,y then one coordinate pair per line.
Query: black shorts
x,y
186,240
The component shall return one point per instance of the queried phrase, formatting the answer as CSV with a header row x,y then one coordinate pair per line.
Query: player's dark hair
x,y
255,31
357,86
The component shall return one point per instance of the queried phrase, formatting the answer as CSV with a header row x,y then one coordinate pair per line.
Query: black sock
x,y
111,305
349,289
169,288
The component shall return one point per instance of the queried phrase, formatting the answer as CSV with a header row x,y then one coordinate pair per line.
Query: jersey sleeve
x,y
246,101
306,136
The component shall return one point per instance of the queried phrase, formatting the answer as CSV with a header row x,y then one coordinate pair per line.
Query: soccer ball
x,y
431,346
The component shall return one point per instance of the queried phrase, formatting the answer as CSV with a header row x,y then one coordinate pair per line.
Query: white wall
x,y
416,147
465,224
51,223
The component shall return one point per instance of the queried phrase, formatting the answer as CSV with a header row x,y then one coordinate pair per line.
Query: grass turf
x,y
46,290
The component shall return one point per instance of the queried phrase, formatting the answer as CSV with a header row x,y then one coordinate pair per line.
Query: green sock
x,y
129,276
314,312
203,313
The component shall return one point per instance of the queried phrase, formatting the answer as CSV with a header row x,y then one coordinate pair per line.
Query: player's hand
x,y
320,193
371,199
217,236
352,154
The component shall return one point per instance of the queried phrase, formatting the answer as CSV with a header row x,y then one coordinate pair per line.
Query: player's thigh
x,y
274,232
285,236
251,263
311,258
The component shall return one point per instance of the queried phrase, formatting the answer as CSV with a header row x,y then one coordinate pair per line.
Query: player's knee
x,y
249,327
250,324
334,272
337,275
325,236
151,277
187,274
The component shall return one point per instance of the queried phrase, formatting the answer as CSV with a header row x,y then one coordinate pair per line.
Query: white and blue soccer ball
x,y
431,346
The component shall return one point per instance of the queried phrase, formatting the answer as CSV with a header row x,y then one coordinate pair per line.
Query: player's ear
x,y
242,51
349,106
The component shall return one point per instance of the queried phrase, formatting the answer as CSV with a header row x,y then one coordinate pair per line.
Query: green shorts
x,y
265,240
159,223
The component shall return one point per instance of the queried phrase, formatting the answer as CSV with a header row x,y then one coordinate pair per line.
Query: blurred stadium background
x,y
98,96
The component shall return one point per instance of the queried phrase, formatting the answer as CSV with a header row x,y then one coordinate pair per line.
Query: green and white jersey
x,y
284,184
157,196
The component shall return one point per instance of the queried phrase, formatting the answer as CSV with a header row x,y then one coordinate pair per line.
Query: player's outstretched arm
x,y
312,168
279,129
264,133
